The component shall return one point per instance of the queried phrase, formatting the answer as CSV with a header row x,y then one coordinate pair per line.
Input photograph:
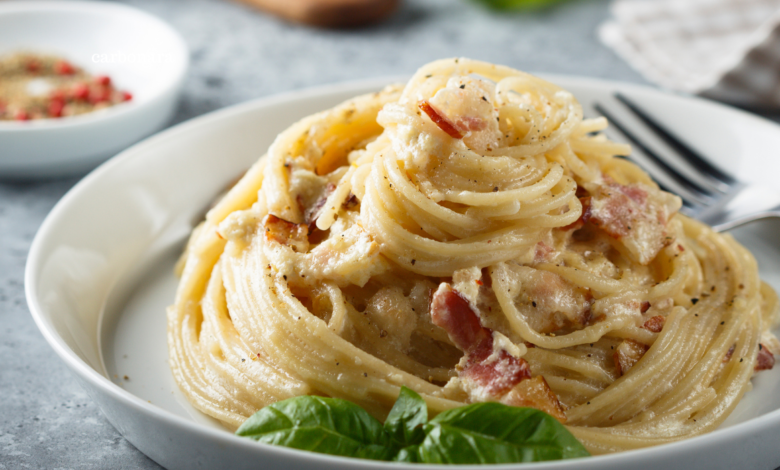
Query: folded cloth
x,y
724,49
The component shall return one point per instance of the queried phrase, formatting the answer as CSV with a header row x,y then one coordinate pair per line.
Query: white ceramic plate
x,y
141,54
99,277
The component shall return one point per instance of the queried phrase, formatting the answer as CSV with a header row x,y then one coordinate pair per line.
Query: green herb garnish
x,y
477,433
516,4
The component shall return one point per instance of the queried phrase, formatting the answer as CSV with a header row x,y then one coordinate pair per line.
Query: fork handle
x,y
734,223
749,204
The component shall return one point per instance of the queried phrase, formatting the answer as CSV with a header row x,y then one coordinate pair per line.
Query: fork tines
x,y
673,164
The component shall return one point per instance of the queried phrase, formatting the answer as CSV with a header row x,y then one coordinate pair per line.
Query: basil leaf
x,y
495,433
317,424
405,422
409,454
477,433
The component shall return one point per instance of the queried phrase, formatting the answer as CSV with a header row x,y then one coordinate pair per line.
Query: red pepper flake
x,y
55,108
441,121
63,67
98,96
103,80
80,91
33,65
57,95
75,91
479,283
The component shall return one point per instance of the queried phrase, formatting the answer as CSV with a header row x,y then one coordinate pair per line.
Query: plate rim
x,y
87,373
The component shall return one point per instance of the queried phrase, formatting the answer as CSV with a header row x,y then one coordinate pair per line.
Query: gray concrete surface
x,y
46,420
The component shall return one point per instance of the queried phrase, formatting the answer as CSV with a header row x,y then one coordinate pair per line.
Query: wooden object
x,y
329,13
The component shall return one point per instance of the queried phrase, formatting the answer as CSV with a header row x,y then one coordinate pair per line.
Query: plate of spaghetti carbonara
x,y
473,235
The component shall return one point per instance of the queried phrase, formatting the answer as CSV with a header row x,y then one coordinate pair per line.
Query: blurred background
x,y
240,52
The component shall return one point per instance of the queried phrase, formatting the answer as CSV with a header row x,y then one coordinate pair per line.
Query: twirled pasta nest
x,y
469,236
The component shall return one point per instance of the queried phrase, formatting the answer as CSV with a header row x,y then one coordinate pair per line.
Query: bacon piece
x,y
439,119
542,252
351,202
584,216
615,212
655,324
535,393
471,123
467,105
311,213
494,376
635,214
489,370
627,354
765,360
635,193
729,353
286,233
452,313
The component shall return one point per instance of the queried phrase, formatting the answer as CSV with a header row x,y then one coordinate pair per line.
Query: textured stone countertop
x,y
46,419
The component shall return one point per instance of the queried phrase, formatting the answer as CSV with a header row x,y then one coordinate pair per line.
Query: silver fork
x,y
708,193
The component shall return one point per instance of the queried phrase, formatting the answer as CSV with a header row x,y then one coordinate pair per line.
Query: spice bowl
x,y
143,58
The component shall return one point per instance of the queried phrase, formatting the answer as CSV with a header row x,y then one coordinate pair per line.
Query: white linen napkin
x,y
724,49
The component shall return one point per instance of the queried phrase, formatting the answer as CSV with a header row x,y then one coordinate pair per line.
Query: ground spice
x,y
39,86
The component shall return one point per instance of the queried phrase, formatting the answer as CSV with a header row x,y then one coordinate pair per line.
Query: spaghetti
x,y
472,237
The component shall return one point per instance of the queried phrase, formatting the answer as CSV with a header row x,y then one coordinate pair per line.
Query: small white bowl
x,y
142,55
